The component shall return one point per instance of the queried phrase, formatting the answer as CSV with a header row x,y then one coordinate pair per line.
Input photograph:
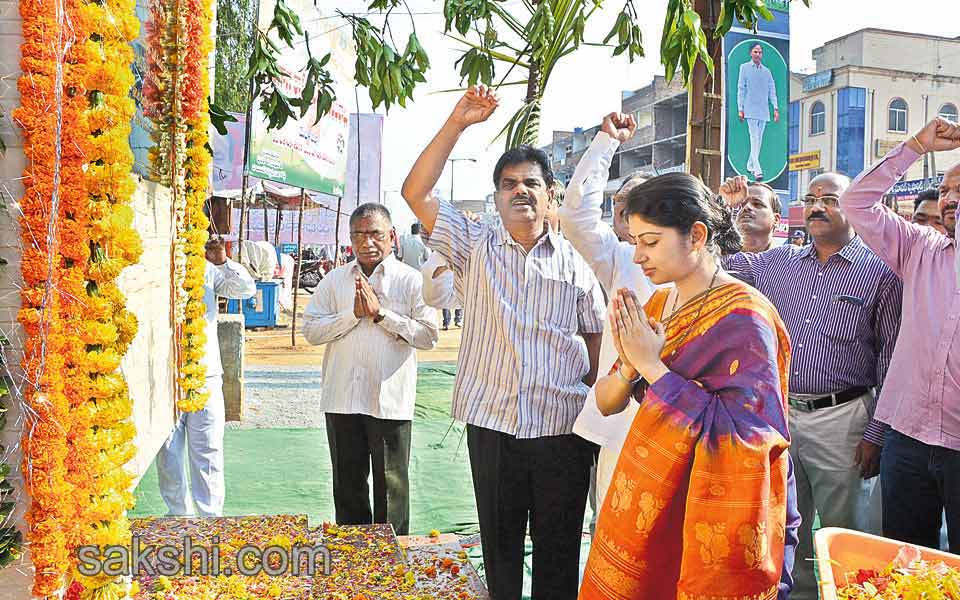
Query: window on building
x,y
949,112
644,118
818,118
897,120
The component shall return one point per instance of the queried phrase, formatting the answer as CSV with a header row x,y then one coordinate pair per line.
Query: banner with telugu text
x,y
304,154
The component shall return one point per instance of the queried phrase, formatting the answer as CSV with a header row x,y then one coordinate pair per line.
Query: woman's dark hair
x,y
678,200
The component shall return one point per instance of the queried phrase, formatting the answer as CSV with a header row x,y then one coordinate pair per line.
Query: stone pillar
x,y
230,334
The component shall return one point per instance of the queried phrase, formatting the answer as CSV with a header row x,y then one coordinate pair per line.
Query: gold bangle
x,y
922,148
624,379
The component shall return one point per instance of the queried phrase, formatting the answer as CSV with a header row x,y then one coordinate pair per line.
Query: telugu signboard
x,y
303,154
818,81
915,186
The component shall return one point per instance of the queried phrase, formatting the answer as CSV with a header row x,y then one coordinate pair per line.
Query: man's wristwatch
x,y
380,315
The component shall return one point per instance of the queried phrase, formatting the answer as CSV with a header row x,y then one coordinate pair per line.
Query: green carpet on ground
x,y
287,471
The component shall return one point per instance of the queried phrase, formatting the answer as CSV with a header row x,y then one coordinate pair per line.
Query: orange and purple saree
x,y
697,505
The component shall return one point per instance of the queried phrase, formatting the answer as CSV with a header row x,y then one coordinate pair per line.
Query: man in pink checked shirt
x,y
920,464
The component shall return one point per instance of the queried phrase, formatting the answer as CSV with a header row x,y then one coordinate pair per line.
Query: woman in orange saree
x,y
697,507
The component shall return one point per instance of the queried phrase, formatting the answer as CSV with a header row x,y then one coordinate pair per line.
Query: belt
x,y
812,404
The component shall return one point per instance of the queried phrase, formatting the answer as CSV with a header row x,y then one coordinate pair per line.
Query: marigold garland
x,y
77,236
103,434
179,46
46,107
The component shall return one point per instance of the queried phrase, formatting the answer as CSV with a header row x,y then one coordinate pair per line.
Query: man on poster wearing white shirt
x,y
371,315
610,256
198,436
756,91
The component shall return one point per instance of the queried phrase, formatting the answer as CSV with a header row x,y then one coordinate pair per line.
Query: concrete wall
x,y
899,51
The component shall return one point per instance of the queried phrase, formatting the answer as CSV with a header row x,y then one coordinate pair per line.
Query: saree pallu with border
x,y
697,505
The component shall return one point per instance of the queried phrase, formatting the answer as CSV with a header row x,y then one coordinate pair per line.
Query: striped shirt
x,y
522,358
843,315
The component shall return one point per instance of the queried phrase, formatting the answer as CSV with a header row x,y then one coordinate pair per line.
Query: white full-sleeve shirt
x,y
439,291
756,91
371,368
612,262
229,280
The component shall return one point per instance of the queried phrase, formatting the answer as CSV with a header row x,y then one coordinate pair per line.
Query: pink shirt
x,y
921,394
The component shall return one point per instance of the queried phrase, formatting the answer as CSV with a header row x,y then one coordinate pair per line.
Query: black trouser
x,y
543,478
919,482
355,442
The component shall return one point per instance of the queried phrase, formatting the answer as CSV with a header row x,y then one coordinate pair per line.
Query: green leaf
x,y
306,96
615,30
219,117
692,19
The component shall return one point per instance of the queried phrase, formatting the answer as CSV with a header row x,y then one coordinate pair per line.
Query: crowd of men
x,y
871,302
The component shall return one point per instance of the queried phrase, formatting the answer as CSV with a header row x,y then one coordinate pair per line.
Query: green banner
x,y
757,109
303,153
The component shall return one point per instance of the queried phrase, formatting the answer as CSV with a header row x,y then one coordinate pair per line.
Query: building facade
x,y
872,90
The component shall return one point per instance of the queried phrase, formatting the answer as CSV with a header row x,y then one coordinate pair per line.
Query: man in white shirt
x,y
610,255
372,316
198,436
756,91
413,251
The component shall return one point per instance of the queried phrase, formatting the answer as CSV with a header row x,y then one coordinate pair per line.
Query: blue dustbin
x,y
260,310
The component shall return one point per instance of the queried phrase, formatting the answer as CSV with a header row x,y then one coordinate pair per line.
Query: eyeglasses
x,y
358,237
826,199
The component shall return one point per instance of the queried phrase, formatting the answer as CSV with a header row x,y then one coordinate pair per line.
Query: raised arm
x,y
887,234
582,211
474,107
745,266
231,279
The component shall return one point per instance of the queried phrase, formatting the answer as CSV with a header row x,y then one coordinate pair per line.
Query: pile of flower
x,y
908,577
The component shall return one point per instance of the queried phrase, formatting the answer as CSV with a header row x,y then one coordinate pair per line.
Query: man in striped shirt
x,y
841,305
528,357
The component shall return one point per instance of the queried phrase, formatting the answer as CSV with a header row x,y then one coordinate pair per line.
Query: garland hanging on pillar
x,y
77,235
48,113
103,433
177,92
